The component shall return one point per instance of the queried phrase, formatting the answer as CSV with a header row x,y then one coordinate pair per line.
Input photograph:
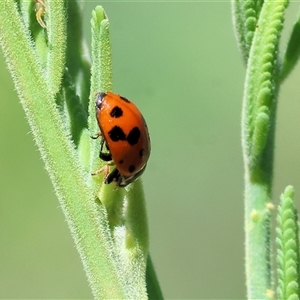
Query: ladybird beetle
x,y
125,140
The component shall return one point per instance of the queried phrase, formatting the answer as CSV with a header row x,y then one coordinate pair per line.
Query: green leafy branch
x,y
50,69
258,25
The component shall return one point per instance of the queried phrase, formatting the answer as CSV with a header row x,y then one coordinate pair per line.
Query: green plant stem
x,y
257,231
153,288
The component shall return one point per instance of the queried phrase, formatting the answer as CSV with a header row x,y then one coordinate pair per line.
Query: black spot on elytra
x,y
117,134
124,99
121,161
131,169
141,152
133,136
116,112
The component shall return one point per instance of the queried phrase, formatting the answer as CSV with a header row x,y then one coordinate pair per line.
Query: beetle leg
x,y
40,8
96,135
106,157
113,176
104,170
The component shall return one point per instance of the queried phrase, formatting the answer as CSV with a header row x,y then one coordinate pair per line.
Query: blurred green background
x,y
180,64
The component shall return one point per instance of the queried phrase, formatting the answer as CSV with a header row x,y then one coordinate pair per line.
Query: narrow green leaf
x,y
153,288
101,74
135,238
292,51
101,52
260,133
77,56
288,247
261,89
245,17
136,219
132,242
77,116
239,27
25,8
57,40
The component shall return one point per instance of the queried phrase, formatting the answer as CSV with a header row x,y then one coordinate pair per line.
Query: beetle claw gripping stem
x,y
40,8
